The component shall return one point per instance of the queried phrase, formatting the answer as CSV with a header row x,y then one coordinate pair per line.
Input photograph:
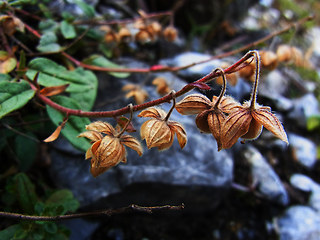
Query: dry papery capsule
x,y
232,78
170,33
248,71
269,59
124,34
143,36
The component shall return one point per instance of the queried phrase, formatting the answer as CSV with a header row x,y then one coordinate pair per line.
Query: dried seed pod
x,y
284,53
247,121
11,24
159,131
162,85
143,36
193,104
111,37
170,33
124,34
135,91
155,28
248,71
269,59
232,78
107,151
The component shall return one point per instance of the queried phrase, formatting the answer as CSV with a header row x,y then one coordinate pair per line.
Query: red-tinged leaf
x,y
54,90
122,121
200,85
56,132
54,135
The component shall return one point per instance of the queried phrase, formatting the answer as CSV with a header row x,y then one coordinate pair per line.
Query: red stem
x,y
121,111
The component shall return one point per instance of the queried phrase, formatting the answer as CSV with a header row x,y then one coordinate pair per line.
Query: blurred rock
x,y
299,223
268,182
81,229
305,183
304,107
275,82
304,150
194,72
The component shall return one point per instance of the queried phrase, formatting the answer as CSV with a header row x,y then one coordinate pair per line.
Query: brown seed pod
x,y
143,36
162,85
232,78
170,33
159,132
248,71
107,151
135,91
269,59
284,53
124,34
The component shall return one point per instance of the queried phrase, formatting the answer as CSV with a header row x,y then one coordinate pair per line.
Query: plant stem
x,y
122,111
223,90
256,81
108,212
125,127
173,94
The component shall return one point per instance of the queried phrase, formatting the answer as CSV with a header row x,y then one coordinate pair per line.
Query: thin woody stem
x,y
175,69
223,90
108,213
173,94
121,111
256,81
127,124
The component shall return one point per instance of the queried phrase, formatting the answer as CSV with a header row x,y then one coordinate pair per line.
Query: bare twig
x,y
100,213
174,69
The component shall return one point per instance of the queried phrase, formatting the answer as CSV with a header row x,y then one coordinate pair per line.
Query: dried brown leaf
x,y
54,90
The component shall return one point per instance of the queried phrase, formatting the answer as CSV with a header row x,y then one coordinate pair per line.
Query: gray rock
x,y
81,229
194,174
275,83
306,184
304,150
304,107
194,72
268,182
299,223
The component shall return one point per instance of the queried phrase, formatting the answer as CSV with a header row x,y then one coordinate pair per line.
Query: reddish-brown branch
x,y
114,113
174,69
122,22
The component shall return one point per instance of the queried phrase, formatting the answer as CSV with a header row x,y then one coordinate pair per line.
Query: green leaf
x,y
13,96
26,151
51,227
4,77
48,43
313,122
86,8
21,233
25,192
101,61
63,198
74,126
68,31
83,83
8,233
48,26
